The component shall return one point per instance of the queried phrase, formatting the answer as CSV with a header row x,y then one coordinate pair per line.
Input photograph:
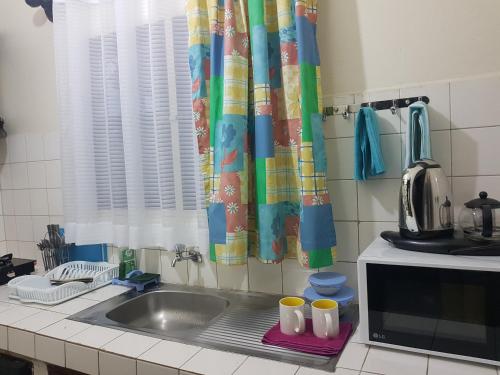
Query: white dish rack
x,y
38,289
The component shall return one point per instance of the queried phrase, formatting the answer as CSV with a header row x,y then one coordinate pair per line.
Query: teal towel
x,y
368,160
418,140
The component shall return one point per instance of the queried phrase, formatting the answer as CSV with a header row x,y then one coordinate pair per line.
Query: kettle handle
x,y
408,197
487,221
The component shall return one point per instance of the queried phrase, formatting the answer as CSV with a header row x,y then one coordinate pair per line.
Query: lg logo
x,y
378,336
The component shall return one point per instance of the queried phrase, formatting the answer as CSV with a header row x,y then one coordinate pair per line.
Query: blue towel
x,y
368,160
418,140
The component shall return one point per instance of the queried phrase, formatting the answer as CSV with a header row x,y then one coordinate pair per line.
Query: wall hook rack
x,y
392,104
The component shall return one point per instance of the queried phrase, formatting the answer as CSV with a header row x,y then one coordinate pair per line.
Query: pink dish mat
x,y
307,342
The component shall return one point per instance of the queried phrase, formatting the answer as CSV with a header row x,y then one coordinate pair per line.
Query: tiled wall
x,y
465,124
30,188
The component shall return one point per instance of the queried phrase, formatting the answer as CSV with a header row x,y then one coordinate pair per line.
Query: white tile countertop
x,y
44,333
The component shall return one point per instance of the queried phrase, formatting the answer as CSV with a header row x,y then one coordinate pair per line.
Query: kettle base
x,y
446,233
455,245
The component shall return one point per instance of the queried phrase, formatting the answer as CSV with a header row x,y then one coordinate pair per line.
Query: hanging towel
x,y
418,141
368,160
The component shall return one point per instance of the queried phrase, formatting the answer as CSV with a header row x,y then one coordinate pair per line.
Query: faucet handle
x,y
179,248
195,255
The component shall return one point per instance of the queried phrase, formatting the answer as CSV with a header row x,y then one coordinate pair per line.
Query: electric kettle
x,y
480,218
425,209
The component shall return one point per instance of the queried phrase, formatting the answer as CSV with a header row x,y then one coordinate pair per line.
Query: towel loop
x,y
394,107
346,114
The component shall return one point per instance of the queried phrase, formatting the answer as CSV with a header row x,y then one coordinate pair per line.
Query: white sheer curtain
x,y
130,167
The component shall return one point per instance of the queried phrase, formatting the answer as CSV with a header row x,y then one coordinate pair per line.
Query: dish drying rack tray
x,y
38,289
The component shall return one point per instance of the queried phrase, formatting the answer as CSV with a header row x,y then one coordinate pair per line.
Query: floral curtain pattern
x,y
257,108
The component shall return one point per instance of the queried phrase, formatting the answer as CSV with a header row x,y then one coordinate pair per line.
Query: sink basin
x,y
169,311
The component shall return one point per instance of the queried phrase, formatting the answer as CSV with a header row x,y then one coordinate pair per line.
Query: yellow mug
x,y
292,320
325,316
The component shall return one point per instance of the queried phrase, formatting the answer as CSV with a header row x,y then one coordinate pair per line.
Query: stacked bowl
x,y
330,285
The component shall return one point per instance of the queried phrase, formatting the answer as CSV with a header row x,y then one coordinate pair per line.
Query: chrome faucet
x,y
184,253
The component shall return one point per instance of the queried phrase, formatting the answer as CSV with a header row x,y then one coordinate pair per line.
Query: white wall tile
x,y
28,250
347,241
370,230
51,146
24,227
110,364
55,201
56,219
203,274
49,350
21,342
12,247
439,106
3,338
232,277
39,227
340,156
53,171
37,175
378,200
16,148
388,123
475,151
344,198
82,359
474,102
336,126
10,228
38,201
2,229
174,275
148,260
145,368
3,247
34,147
5,176
22,202
8,204
264,278
295,277
19,172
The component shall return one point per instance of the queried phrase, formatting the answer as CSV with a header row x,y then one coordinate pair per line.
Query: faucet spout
x,y
183,253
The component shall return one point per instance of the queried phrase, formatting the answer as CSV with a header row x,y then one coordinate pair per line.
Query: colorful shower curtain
x,y
257,109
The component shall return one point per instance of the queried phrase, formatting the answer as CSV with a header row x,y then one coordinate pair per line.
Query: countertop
x,y
45,333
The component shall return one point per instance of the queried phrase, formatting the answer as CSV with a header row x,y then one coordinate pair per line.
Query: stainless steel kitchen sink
x,y
169,311
211,318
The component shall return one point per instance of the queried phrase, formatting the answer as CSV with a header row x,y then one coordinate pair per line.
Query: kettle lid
x,y
483,200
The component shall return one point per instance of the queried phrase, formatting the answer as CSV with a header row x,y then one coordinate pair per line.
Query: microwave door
x,y
450,311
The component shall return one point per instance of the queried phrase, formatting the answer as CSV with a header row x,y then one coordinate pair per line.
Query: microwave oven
x,y
435,304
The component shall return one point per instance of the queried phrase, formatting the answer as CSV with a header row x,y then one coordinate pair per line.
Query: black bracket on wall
x,y
393,105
